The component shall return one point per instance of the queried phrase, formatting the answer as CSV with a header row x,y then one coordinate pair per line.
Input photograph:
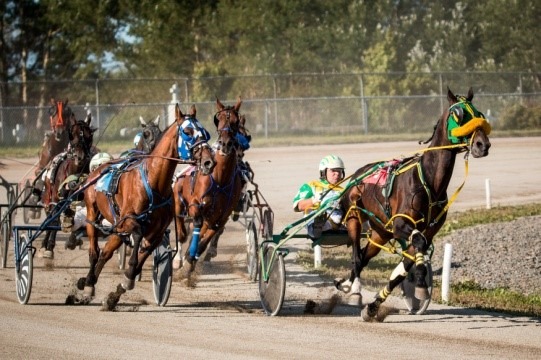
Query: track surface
x,y
221,316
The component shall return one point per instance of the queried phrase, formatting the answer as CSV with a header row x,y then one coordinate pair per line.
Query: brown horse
x,y
411,206
56,140
74,161
209,199
141,206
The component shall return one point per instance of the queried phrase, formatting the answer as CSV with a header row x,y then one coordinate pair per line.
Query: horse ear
x,y
53,101
66,101
157,120
451,97
193,111
179,117
219,105
470,94
142,121
243,120
88,118
238,104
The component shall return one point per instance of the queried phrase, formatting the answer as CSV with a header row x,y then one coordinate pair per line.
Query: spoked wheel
x,y
23,272
4,242
251,251
272,292
414,305
162,272
268,224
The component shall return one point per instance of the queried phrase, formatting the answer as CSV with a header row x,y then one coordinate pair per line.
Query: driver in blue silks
x,y
191,131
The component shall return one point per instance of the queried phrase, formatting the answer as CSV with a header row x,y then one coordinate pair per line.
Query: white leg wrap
x,y
356,287
398,270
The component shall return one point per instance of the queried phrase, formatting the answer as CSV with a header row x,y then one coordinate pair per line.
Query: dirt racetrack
x,y
221,317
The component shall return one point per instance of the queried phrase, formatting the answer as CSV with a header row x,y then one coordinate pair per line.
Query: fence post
x,y
317,256
174,90
446,272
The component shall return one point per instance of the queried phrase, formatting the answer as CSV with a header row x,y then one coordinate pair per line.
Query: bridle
x,y
62,114
225,147
205,166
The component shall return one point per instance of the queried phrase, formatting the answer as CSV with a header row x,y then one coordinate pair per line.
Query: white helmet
x,y
137,138
330,162
98,159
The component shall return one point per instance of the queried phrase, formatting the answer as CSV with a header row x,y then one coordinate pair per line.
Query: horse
x,y
209,199
150,135
247,175
141,206
411,205
73,162
61,118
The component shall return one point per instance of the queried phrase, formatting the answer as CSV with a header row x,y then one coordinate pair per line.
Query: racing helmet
x,y
330,162
137,138
99,159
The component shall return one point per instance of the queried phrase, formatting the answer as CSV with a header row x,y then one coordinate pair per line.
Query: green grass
x,y
337,263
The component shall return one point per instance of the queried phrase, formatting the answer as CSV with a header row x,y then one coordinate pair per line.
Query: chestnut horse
x,y
74,161
209,199
141,206
411,206
56,140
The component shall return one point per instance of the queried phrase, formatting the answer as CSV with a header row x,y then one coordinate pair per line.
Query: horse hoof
x,y
366,316
48,254
177,263
355,299
421,293
128,284
89,292
369,313
343,285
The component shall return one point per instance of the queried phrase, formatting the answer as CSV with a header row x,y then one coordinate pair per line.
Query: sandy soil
x,y
221,317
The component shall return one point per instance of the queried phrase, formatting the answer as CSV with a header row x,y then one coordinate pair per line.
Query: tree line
x,y
44,40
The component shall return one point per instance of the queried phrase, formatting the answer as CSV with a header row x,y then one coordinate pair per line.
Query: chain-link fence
x,y
275,105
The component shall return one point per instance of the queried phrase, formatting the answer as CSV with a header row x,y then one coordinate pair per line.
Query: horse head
x,y
61,117
227,124
81,137
467,125
150,135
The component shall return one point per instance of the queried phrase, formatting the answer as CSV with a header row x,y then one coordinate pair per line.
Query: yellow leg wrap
x,y
384,293
419,259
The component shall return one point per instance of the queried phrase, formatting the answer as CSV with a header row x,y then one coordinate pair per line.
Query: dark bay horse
x,y
150,135
209,199
56,140
73,162
140,206
411,206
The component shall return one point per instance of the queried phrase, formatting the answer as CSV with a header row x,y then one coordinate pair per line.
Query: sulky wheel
x,y
268,224
162,272
23,272
251,251
272,291
414,305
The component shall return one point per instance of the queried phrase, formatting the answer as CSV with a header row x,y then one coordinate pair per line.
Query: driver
x,y
313,193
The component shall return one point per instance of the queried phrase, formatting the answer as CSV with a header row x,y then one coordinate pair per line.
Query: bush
x,y
520,117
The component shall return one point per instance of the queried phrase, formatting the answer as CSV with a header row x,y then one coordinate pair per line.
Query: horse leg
x,y
213,245
87,284
181,235
352,286
137,236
